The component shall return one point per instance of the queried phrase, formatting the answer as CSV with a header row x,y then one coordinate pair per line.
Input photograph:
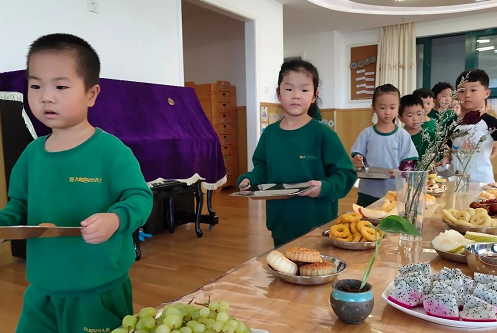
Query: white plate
x,y
483,199
255,330
419,312
485,186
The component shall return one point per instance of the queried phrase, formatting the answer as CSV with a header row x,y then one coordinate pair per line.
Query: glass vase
x,y
462,162
410,187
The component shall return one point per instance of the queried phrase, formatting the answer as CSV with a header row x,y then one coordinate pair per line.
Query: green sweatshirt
x,y
422,142
100,175
312,152
447,116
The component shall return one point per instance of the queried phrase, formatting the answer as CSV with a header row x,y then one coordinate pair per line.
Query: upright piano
x,y
164,126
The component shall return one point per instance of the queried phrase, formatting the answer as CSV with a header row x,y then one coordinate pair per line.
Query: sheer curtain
x,y
396,61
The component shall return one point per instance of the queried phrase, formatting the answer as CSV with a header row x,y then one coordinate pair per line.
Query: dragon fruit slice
x,y
435,276
441,306
421,284
405,296
450,274
485,278
486,294
484,313
424,268
458,280
468,285
456,283
402,276
440,287
472,301
491,285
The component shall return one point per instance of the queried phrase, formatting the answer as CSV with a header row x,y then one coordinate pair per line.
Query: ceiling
x,y
302,17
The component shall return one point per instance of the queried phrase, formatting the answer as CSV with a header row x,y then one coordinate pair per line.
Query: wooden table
x,y
263,301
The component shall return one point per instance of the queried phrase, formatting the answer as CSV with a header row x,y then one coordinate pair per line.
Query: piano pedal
x,y
142,236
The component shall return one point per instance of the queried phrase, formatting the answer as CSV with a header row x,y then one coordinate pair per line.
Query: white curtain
x,y
396,61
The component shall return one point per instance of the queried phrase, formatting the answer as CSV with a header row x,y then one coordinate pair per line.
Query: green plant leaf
x,y
396,224
371,260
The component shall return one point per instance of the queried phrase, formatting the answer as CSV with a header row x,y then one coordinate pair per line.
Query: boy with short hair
x,y
471,94
426,96
411,114
77,176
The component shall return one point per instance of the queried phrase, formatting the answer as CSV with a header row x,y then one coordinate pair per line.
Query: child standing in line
x,y
411,113
442,92
426,96
77,176
300,149
383,145
472,95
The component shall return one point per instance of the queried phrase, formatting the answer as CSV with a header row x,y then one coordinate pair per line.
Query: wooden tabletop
x,y
263,301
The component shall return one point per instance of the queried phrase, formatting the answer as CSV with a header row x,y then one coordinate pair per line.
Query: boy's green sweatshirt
x,y
312,152
446,118
99,176
425,137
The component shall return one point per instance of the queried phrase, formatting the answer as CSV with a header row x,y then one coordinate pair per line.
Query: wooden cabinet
x,y
219,103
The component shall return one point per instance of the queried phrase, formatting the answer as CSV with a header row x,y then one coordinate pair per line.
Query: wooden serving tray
x,y
28,231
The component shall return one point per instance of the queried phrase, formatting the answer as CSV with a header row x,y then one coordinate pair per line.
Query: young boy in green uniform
x,y
300,149
411,114
77,176
444,109
427,97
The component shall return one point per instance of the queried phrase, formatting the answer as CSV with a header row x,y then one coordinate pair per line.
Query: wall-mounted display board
x,y
362,71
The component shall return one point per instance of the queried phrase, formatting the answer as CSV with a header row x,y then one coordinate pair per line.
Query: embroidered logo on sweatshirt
x,y
97,330
308,157
84,180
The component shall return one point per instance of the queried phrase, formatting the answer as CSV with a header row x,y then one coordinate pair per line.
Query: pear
x,y
451,241
480,237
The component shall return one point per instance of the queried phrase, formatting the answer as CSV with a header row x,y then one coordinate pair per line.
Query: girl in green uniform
x,y
300,149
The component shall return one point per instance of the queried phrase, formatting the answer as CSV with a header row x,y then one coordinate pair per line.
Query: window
x,y
442,58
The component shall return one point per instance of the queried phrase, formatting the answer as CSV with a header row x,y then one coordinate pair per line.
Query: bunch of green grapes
x,y
211,317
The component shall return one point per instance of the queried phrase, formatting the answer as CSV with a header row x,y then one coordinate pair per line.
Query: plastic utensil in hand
x,y
244,186
365,166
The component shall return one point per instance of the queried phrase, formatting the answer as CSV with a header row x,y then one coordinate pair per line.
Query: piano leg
x,y
170,220
136,243
212,213
199,196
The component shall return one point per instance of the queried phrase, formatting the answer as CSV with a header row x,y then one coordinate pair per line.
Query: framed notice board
x,y
362,71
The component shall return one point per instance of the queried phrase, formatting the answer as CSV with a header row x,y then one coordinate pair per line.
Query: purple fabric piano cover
x,y
170,141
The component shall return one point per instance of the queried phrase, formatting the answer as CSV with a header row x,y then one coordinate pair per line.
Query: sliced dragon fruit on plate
x,y
405,296
441,306
491,285
471,301
424,268
415,277
486,294
485,278
440,287
450,274
482,313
